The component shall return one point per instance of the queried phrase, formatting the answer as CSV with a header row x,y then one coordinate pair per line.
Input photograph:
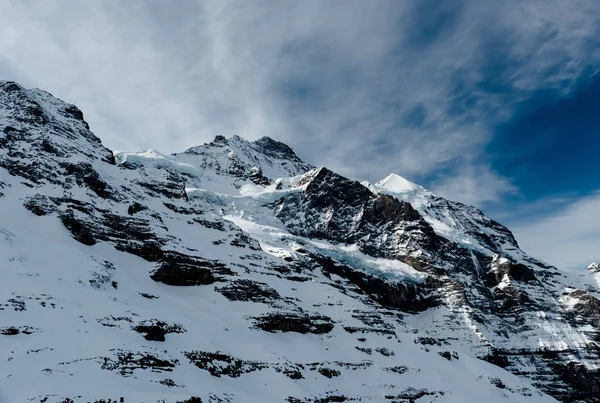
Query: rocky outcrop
x,y
248,290
156,330
294,322
219,364
407,296
182,270
127,362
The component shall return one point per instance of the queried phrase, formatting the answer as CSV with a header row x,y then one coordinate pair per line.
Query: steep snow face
x,y
235,272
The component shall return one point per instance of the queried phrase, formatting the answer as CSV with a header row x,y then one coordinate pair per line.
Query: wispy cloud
x,y
568,238
365,88
473,185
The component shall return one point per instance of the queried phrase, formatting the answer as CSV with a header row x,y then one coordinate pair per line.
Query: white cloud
x,y
569,238
391,86
474,186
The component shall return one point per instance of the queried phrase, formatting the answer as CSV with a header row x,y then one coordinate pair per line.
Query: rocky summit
x,y
237,272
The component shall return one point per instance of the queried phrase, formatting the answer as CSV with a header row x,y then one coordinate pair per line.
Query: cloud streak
x,y
568,238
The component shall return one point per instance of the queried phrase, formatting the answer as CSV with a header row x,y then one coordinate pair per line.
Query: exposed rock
x,y
344,211
249,290
182,270
397,369
585,382
78,228
294,322
219,364
587,307
40,205
193,399
445,354
384,351
329,373
411,395
135,207
126,362
85,174
410,297
156,329
365,350
183,210
497,382
10,331
170,189
330,398
514,271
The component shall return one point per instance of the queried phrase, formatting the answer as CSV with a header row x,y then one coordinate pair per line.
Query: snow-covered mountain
x,y
236,272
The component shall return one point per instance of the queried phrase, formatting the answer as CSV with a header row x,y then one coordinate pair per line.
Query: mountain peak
x,y
275,148
219,140
10,86
397,184
265,145
237,155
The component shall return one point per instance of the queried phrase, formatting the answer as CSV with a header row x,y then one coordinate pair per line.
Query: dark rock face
x,y
329,373
193,399
409,297
585,382
219,364
328,399
181,270
40,205
344,211
248,290
75,113
257,177
36,146
84,174
171,189
412,395
294,322
276,149
156,330
126,362
13,331
341,198
80,231
565,380
89,225
515,271
445,354
136,207
587,308
497,358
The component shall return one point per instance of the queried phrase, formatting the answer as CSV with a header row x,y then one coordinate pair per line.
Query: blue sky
x,y
492,103
550,145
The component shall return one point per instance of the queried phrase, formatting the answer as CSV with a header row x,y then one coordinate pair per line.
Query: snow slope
x,y
236,272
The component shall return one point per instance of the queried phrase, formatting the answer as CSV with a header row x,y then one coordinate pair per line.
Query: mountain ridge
x,y
235,265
